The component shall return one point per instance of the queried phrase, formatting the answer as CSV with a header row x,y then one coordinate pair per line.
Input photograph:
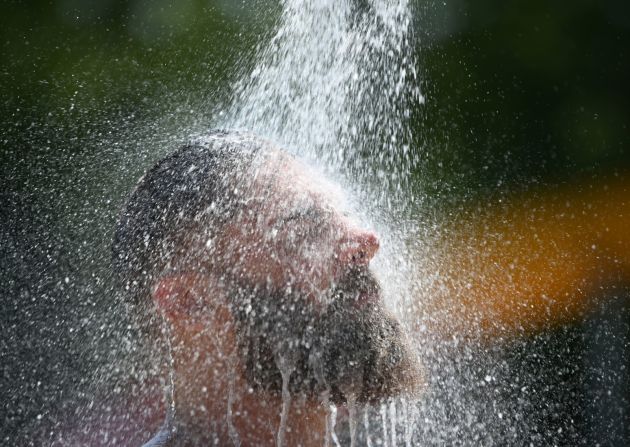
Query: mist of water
x,y
335,85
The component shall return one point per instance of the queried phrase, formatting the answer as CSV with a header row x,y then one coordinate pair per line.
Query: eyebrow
x,y
301,213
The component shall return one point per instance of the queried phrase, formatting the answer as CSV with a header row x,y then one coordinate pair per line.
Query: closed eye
x,y
310,214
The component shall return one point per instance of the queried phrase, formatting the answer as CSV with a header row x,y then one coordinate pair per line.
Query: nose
x,y
358,247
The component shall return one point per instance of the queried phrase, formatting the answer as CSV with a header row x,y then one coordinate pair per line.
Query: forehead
x,y
291,182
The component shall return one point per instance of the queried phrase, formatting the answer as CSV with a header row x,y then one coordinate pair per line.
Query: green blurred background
x,y
518,94
525,91
516,91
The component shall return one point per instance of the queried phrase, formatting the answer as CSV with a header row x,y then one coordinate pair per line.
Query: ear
x,y
179,297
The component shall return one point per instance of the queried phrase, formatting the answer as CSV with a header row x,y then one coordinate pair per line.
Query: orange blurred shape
x,y
531,262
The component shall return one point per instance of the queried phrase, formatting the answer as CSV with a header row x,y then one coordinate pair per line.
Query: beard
x,y
352,347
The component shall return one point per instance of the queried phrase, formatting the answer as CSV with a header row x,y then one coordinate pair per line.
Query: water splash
x,y
352,418
286,367
331,422
232,432
335,84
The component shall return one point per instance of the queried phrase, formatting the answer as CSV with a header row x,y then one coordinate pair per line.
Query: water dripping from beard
x,y
349,343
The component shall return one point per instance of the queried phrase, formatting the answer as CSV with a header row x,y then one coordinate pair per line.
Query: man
x,y
243,266
243,261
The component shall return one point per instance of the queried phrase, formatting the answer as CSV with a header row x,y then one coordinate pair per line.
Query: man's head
x,y
233,235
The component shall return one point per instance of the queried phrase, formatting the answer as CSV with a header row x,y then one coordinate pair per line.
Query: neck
x,y
213,401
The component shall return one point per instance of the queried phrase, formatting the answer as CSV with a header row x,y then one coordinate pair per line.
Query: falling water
x,y
331,422
230,411
330,419
393,421
352,418
286,367
384,422
408,421
335,85
366,426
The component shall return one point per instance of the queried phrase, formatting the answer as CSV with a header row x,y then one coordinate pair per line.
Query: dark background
x,y
518,94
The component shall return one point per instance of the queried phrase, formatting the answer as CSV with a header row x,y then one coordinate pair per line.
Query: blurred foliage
x,y
106,56
517,92
524,91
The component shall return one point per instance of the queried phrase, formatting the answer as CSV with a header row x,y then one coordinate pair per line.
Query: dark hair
x,y
193,187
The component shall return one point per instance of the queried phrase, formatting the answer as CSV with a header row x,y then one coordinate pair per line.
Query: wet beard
x,y
349,348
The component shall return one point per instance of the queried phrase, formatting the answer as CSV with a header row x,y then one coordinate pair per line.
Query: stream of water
x,y
335,85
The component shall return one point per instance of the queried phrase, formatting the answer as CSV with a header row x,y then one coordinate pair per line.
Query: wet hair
x,y
193,189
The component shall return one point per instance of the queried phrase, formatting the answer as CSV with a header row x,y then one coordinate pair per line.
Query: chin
x,y
353,349
365,353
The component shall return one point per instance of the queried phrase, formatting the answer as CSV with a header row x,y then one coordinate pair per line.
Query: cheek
x,y
304,256
282,257
246,249
311,258
261,255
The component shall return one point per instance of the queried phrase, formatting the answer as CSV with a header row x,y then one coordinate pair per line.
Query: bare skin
x,y
298,232
293,232
211,395
513,268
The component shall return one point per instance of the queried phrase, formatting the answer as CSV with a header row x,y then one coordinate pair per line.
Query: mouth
x,y
358,287
365,299
351,344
